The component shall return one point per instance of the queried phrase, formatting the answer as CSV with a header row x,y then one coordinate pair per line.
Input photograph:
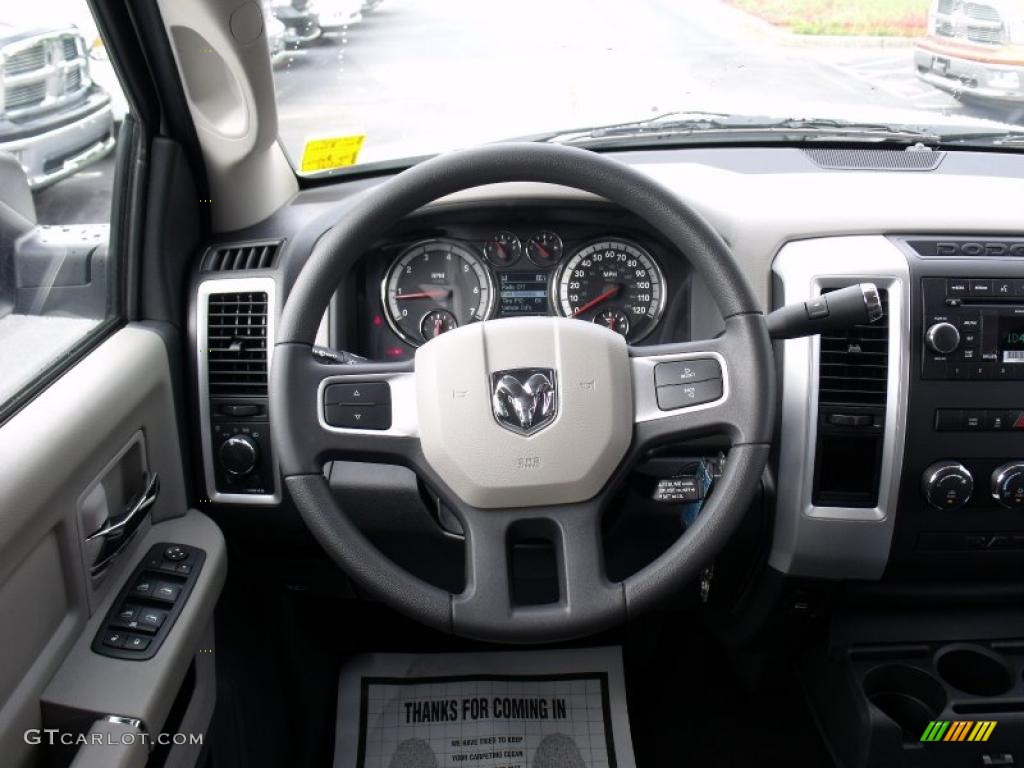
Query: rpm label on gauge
x,y
434,287
614,283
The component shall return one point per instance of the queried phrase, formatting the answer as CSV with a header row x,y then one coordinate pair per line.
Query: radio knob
x,y
1008,485
238,455
947,485
942,338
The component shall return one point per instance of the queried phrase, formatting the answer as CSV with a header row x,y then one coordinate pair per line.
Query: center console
x,y
961,508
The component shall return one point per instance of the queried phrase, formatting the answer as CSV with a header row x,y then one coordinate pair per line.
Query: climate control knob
x,y
1008,485
942,338
947,485
239,454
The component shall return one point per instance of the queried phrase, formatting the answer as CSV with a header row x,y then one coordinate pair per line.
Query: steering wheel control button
x,y
358,416
1008,485
684,395
686,372
363,393
947,485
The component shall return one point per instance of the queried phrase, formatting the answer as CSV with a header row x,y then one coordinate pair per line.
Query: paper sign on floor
x,y
522,709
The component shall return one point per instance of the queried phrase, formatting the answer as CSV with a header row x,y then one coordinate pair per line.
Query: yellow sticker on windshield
x,y
327,154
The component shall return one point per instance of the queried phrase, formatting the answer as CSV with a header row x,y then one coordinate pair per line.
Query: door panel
x,y
52,452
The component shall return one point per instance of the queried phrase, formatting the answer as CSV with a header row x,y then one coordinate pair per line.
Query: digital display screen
x,y
523,293
1011,339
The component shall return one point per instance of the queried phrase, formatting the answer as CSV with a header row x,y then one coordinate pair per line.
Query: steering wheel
x,y
511,454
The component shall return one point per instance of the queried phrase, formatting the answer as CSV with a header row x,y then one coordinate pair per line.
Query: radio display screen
x,y
523,293
1011,338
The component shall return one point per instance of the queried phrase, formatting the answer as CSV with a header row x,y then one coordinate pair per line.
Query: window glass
x,y
361,82
60,110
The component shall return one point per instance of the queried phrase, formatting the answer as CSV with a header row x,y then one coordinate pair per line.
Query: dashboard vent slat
x,y
875,159
241,257
237,340
853,365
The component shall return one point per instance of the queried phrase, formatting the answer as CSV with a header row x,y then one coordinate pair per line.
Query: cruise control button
x,y
358,416
686,371
365,393
683,395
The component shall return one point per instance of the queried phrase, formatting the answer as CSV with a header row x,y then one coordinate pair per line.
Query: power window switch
x,y
165,592
143,587
114,638
150,620
136,643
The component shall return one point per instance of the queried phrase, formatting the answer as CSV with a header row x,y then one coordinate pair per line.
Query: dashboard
x,y
446,269
900,448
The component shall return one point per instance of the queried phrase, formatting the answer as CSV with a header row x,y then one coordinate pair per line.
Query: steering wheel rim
x,y
589,601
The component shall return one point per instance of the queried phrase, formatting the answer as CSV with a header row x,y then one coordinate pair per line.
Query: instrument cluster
x,y
438,283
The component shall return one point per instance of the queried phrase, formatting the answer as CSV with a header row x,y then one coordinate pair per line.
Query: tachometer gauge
x,y
503,249
433,287
544,249
614,283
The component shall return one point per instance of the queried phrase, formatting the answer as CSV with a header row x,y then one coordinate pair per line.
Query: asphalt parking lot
x,y
417,77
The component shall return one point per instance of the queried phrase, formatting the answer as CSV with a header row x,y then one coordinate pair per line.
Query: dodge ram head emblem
x,y
524,400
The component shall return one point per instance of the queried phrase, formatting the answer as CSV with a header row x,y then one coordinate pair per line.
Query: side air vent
x,y
237,344
854,365
875,159
242,256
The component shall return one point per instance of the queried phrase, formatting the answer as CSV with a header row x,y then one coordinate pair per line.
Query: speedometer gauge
x,y
615,283
433,287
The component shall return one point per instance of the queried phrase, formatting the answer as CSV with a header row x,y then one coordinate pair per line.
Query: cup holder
x,y
974,670
908,696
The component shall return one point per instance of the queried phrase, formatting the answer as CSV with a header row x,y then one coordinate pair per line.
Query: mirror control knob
x,y
239,454
1008,484
947,485
942,338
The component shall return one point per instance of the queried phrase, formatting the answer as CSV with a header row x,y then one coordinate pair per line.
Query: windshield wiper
x,y
711,126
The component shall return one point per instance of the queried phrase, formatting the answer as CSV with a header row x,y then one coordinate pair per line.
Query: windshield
x,y
364,82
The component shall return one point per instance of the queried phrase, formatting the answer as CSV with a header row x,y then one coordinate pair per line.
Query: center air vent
x,y
853,373
854,364
237,343
242,256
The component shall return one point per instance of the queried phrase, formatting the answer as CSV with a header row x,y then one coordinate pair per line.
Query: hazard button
x,y
1016,419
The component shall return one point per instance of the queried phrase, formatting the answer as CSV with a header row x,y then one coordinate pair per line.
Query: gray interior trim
x,y
89,682
837,542
113,742
206,289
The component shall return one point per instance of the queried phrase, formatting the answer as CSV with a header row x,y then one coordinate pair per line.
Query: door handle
x,y
126,523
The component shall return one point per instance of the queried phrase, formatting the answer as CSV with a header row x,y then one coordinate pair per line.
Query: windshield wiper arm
x,y
682,125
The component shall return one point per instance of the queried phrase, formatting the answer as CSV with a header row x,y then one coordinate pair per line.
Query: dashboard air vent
x,y
854,364
237,339
242,256
875,159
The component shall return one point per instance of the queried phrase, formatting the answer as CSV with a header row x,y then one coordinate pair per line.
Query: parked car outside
x,y
337,15
300,18
975,51
53,117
